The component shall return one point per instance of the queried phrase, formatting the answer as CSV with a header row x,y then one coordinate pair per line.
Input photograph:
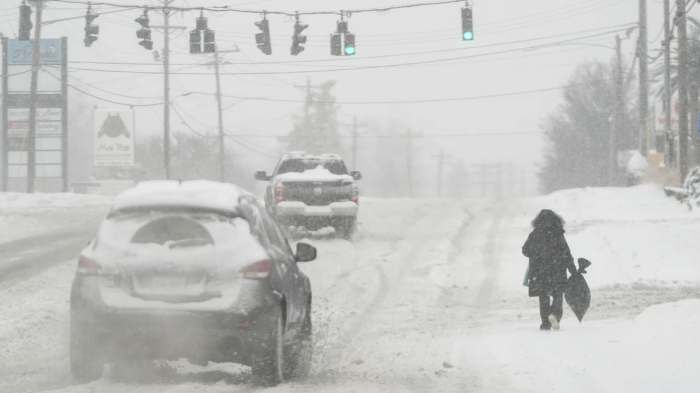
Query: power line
x,y
285,13
353,68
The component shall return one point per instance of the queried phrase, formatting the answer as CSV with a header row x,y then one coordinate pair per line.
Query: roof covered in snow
x,y
170,193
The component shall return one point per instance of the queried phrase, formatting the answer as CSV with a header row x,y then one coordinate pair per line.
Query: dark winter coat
x,y
550,257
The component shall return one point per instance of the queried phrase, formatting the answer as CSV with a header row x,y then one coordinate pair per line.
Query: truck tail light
x,y
279,193
256,271
88,267
355,193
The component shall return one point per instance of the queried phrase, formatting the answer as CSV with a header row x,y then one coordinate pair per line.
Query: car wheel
x,y
299,365
268,368
85,364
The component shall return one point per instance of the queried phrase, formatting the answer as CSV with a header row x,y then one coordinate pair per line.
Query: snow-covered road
x,y
427,298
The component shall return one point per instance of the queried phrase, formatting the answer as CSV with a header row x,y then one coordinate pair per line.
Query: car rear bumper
x,y
334,209
222,337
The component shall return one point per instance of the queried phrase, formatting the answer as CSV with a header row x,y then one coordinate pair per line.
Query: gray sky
x,y
477,71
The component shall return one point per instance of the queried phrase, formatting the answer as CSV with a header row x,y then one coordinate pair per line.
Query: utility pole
x,y
618,120
682,90
409,156
166,83
308,100
355,135
670,157
643,80
441,160
222,148
166,93
694,147
31,146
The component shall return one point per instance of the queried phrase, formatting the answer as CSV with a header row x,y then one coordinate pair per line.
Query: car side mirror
x,y
356,175
262,175
306,252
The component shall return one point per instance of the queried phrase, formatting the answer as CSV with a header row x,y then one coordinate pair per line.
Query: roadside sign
x,y
114,137
20,52
48,121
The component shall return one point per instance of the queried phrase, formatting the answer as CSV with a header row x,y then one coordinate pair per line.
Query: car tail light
x,y
88,266
257,270
355,193
279,193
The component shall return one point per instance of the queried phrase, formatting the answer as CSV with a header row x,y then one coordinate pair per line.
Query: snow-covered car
x,y
313,191
195,270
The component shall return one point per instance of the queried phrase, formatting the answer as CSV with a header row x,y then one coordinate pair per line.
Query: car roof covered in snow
x,y
197,194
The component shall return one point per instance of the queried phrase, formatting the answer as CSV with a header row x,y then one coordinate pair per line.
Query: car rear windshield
x,y
174,229
334,166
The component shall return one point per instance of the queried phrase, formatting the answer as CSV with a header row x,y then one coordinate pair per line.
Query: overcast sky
x,y
495,63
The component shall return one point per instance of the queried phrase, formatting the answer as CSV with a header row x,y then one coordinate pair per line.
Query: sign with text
x,y
114,137
48,121
20,52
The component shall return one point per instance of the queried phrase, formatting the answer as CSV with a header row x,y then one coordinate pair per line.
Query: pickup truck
x,y
313,191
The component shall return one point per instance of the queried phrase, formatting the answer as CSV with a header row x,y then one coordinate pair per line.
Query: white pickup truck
x,y
313,191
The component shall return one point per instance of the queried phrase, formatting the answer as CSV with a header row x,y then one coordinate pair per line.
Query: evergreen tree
x,y
317,130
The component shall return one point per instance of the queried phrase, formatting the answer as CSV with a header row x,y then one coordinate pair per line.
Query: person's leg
x,y
557,304
544,312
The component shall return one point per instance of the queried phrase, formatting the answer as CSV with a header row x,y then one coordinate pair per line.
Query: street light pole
x,y
682,90
618,112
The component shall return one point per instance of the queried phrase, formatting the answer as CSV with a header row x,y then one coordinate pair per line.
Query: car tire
x,y
299,364
85,364
268,368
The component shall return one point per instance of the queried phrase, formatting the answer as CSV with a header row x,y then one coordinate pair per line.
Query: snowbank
x,y
631,235
655,352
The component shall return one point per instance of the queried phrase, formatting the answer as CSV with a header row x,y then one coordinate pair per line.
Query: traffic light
x,y
195,41
297,38
467,25
335,44
209,41
25,22
91,31
144,33
263,38
349,44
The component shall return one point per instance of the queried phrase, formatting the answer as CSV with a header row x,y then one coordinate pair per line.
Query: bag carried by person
x,y
576,292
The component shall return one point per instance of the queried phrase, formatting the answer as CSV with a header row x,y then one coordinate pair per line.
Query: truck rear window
x,y
300,165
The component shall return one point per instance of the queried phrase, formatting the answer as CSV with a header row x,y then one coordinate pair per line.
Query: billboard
x,y
114,137
20,52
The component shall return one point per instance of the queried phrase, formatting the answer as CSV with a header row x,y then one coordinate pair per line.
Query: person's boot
x,y
554,322
546,326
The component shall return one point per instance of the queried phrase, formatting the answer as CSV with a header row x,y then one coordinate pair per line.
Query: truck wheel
x,y
85,364
268,367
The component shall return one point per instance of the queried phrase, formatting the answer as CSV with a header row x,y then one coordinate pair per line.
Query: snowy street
x,y
428,297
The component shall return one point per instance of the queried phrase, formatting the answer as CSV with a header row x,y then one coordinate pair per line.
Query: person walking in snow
x,y
550,257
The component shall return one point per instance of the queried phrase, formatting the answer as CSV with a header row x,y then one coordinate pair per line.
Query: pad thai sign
x,y
114,137
20,52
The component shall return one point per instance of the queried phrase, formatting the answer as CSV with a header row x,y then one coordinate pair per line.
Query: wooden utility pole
x,y
409,164
31,145
441,161
618,118
682,90
222,146
643,80
693,126
670,156
166,92
355,135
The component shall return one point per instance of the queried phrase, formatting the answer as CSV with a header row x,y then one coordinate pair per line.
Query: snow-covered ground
x,y
428,298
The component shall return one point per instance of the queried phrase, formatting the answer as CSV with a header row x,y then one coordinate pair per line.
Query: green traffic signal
x,y
468,36
350,50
